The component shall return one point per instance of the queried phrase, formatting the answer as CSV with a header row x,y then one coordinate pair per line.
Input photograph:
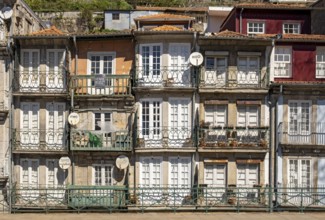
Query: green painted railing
x,y
87,140
202,198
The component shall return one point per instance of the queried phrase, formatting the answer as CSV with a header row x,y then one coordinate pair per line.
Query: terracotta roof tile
x,y
50,31
271,5
302,82
186,9
228,34
164,17
166,28
293,36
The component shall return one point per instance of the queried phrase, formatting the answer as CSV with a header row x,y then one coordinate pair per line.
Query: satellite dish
x,y
64,163
196,59
73,118
6,13
122,162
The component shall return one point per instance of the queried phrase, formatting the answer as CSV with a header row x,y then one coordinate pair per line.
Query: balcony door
x,y
104,128
216,117
215,176
150,182
179,179
179,129
299,122
101,67
150,122
56,73
248,70
55,182
149,72
29,125
179,70
29,71
215,71
29,180
248,122
55,126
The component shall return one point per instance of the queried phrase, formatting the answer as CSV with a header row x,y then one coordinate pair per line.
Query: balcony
x,y
167,76
220,78
233,137
40,82
30,140
299,133
165,137
85,140
101,85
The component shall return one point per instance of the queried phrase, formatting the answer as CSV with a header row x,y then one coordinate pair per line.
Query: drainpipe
x,y
270,150
241,21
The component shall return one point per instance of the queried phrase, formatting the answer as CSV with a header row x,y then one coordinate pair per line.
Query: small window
x,y
282,62
291,28
320,63
116,16
101,120
255,28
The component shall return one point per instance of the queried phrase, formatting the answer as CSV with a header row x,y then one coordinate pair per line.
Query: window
x,y
56,76
150,171
102,175
255,28
55,126
320,63
179,119
291,28
247,116
247,174
179,171
29,124
299,121
215,175
115,16
102,121
299,173
179,71
215,70
54,174
282,62
150,62
216,115
29,77
248,70
29,173
150,120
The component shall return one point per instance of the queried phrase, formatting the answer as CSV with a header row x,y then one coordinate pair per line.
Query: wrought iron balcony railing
x,y
40,82
233,137
86,140
101,85
165,137
164,76
302,133
219,78
40,140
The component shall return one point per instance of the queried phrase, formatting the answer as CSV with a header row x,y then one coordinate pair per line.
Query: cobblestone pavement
x,y
166,216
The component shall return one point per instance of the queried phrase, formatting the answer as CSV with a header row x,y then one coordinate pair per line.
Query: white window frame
x,y
58,70
216,74
29,114
248,73
151,100
300,170
102,118
255,26
299,109
150,74
287,27
151,184
102,166
101,67
179,101
30,85
179,171
247,107
114,14
56,130
247,172
215,112
282,64
29,170
215,174
320,55
56,174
